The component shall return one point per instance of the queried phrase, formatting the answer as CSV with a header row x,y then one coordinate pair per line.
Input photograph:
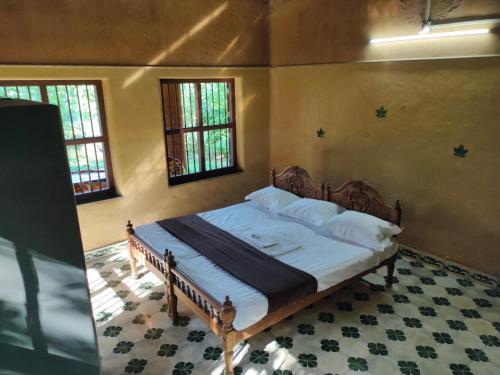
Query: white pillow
x,y
362,229
312,211
272,198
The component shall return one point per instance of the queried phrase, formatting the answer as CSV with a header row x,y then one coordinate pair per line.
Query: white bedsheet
x,y
330,261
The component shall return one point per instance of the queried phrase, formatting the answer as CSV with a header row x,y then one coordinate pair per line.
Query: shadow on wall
x,y
37,297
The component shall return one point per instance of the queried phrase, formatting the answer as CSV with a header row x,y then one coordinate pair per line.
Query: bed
x,y
234,310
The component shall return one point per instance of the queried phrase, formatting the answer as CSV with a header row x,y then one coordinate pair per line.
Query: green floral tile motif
x,y
183,368
130,306
470,313
105,274
326,317
464,282
153,333
125,267
167,350
385,309
136,366
490,340
457,325
357,364
400,298
350,332
305,329
405,345
330,345
112,331
97,265
496,325
441,301
146,285
259,357
368,320
404,271
284,342
439,273
212,353
427,311
453,291
412,322
103,316
156,296
358,296
122,293
427,281
442,337
476,355
395,335
426,352
481,302
344,306
494,293
141,318
196,336
308,360
408,368
113,283
460,369
415,289
377,348
182,321
123,347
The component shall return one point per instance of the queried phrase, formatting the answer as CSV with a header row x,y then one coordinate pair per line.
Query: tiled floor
x,y
433,321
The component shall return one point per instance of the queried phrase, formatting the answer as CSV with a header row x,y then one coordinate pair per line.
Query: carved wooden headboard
x,y
297,181
359,196
353,195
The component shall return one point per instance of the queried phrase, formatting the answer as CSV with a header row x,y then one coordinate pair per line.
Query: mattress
x,y
328,259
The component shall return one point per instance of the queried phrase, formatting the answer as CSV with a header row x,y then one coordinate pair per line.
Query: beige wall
x,y
138,32
326,31
450,205
133,107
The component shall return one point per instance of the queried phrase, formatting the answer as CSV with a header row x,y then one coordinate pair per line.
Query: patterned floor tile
x,y
433,321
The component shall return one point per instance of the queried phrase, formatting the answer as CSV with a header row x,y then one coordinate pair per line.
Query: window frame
x,y
199,129
92,196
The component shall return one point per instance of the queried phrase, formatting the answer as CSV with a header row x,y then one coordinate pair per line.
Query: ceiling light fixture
x,y
429,36
428,26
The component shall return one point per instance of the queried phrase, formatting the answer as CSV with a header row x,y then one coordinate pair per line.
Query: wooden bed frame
x,y
219,315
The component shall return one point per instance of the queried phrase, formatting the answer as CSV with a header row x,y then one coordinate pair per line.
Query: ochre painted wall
x,y
133,108
326,31
450,204
137,32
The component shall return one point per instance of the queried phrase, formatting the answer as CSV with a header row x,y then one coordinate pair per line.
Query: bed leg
x,y
390,272
171,297
131,254
228,312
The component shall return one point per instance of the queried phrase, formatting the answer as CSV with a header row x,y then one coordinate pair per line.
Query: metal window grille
x,y
200,128
84,126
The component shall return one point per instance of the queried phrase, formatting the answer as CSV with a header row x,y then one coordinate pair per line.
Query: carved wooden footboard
x,y
220,315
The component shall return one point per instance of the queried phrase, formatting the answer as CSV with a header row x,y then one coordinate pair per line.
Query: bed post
x,y
273,176
227,314
131,253
390,271
397,206
169,265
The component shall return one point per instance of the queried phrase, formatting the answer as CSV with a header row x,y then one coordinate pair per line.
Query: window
x,y
84,126
200,128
